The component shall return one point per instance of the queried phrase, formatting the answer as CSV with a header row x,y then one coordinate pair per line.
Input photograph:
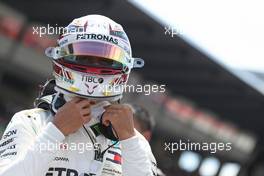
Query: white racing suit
x,y
33,146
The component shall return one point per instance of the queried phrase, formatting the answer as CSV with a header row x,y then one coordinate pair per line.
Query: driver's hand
x,y
121,117
72,115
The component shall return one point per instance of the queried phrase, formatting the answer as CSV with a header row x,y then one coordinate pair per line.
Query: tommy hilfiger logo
x,y
115,157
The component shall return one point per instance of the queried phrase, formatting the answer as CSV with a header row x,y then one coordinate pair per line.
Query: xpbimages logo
x,y
73,146
211,147
57,30
146,89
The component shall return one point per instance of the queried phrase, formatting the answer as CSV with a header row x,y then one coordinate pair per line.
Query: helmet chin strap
x,y
57,102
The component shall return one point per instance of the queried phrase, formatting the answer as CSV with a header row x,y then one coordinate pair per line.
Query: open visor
x,y
76,52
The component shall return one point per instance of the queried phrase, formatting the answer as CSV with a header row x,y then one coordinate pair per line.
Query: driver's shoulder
x,y
35,116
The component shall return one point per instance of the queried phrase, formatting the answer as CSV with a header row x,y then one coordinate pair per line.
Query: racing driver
x,y
91,64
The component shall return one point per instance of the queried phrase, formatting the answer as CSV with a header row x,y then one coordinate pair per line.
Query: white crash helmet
x,y
93,58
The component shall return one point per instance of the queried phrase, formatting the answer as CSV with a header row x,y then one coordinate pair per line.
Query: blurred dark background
x,y
203,102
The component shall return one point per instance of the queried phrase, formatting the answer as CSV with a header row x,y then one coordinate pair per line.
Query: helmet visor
x,y
93,61
110,55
